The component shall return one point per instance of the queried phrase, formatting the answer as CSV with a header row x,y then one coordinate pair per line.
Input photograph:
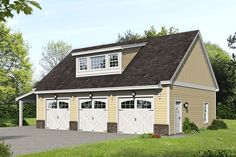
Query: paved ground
x,y
29,139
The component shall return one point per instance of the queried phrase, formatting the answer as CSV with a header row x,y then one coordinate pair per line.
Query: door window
x,y
144,104
99,105
63,105
129,104
86,105
52,104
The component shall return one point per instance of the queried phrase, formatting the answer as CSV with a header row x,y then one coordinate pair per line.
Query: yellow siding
x,y
112,109
195,98
73,109
128,55
160,107
195,69
40,108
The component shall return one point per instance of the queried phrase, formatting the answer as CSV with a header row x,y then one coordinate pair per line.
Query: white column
x,y
20,113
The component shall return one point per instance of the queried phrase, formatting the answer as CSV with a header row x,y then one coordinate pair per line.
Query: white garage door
x,y
57,114
136,115
93,115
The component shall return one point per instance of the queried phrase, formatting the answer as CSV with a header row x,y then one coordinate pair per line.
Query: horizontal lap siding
x,y
195,99
112,109
73,109
160,107
40,108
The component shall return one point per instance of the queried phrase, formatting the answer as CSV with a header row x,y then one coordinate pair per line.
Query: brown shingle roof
x,y
155,62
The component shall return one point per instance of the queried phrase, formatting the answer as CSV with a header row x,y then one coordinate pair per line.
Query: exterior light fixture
x,y
186,105
133,94
90,95
55,96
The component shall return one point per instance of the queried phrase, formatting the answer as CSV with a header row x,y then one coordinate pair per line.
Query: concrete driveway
x,y
29,139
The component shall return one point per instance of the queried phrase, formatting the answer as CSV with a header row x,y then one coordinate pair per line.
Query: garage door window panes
x,y
99,105
144,104
127,104
52,105
87,104
63,105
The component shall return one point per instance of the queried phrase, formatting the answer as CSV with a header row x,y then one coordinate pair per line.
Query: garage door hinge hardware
x,y
134,119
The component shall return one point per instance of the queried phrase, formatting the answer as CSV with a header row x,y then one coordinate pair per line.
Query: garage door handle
x,y
150,110
57,117
92,118
121,110
134,119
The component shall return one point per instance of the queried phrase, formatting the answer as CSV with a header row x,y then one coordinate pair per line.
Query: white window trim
x,y
207,112
103,71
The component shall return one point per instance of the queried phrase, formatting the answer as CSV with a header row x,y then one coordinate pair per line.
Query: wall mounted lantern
x,y
90,95
55,96
133,94
186,106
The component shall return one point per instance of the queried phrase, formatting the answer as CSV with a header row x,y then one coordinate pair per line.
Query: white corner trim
x,y
196,86
167,82
99,89
168,108
109,49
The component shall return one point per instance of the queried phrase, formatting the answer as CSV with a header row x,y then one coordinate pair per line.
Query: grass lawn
x,y
224,139
8,122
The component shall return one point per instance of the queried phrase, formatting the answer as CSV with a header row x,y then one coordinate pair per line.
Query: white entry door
x,y
93,115
136,115
57,114
178,117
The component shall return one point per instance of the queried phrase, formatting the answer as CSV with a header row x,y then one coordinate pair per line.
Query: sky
x,y
83,23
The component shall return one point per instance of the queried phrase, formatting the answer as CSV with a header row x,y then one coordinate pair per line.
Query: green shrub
x,y
5,150
15,122
189,127
3,125
217,124
146,135
218,153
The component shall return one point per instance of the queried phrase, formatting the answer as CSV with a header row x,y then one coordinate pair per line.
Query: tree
x,y
15,67
223,66
149,33
7,8
52,54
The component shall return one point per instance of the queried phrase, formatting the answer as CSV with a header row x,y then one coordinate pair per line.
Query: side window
x,y
99,105
205,112
127,104
86,105
52,104
144,104
63,105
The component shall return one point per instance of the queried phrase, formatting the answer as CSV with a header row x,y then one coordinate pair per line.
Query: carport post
x,y
20,113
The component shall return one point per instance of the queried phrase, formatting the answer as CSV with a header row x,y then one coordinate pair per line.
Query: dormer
x,y
104,61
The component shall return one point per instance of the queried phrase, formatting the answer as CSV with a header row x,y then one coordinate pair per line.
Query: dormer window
x,y
113,60
98,62
83,64
93,65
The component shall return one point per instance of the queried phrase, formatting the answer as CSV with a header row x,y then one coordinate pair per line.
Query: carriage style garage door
x,y
93,114
136,115
57,114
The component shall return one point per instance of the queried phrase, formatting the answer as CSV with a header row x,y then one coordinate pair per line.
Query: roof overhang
x,y
113,48
27,97
99,89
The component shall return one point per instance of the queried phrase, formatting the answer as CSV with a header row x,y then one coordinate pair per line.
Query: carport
x,y
26,98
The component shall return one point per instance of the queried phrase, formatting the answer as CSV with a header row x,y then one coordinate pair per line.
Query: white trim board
x,y
99,89
196,86
121,47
